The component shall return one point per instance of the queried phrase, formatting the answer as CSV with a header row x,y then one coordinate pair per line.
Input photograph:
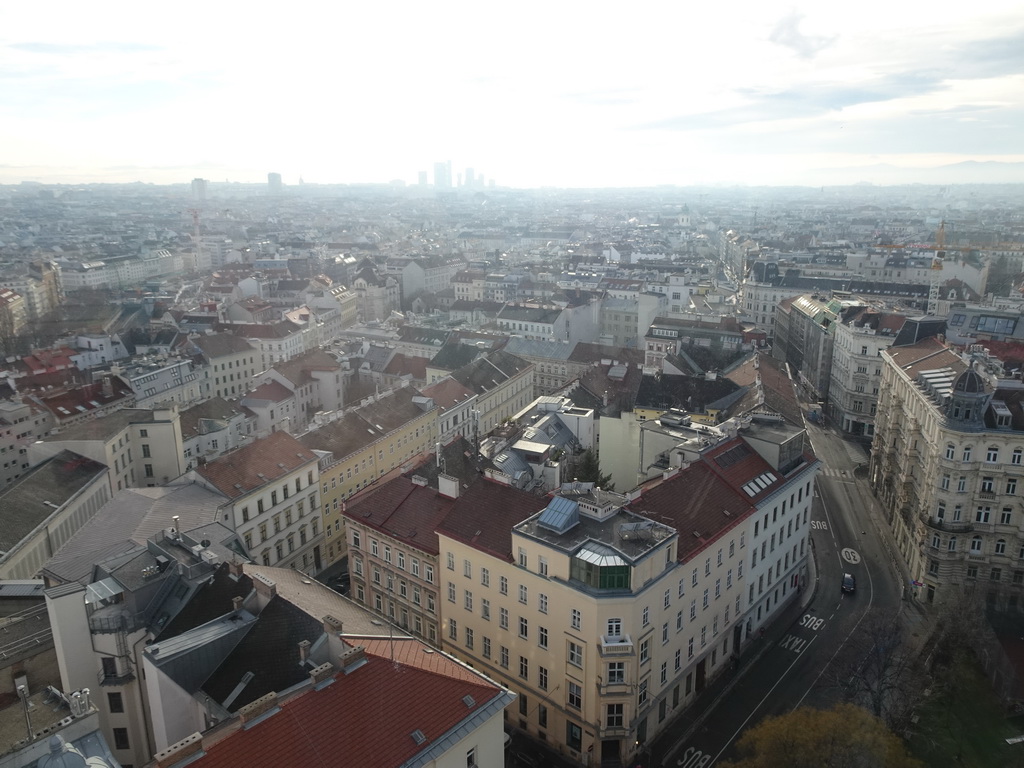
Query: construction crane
x,y
195,236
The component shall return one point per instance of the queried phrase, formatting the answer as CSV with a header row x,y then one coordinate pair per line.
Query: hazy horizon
x,y
545,96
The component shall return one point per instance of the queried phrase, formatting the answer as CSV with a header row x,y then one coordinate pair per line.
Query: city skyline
x,y
549,96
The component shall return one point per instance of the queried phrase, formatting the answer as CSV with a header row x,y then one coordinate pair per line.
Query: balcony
x,y
940,524
104,621
613,732
114,678
614,687
617,645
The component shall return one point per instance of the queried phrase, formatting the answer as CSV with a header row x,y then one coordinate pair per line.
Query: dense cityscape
x,y
456,474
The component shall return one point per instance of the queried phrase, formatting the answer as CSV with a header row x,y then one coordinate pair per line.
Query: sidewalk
x,y
693,717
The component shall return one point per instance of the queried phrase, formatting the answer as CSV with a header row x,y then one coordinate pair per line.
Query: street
x,y
795,667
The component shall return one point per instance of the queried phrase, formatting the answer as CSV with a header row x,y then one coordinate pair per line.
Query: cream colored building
x,y
948,467
364,444
140,447
231,363
503,384
608,615
271,486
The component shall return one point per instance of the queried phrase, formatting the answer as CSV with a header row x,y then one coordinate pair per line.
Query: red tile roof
x,y
713,489
274,391
711,507
256,464
403,510
401,364
483,516
447,392
364,718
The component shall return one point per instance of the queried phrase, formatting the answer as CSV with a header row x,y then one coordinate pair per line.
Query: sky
x,y
529,94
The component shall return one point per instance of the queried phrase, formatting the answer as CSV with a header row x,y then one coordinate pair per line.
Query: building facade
x,y
947,468
606,621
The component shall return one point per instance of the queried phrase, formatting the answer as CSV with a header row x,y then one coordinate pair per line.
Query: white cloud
x,y
536,93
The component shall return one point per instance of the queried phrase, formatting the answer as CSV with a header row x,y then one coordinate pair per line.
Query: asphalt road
x,y
799,664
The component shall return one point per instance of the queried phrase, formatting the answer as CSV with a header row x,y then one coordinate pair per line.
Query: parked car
x,y
849,583
340,583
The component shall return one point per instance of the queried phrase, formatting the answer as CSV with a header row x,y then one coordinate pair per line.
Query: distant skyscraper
x,y
470,178
199,190
274,183
443,175
423,178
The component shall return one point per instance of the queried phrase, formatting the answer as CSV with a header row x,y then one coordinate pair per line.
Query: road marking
x,y
820,525
694,758
850,556
760,703
793,643
811,622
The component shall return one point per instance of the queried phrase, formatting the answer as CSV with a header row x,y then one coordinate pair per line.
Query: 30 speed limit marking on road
x,y
850,556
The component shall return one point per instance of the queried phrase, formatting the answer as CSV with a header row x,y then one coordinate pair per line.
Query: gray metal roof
x,y
126,522
554,350
31,499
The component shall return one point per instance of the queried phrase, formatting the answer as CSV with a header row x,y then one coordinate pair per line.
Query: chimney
x,y
265,589
352,659
332,626
448,486
235,568
236,603
323,672
190,745
254,709
304,651
108,387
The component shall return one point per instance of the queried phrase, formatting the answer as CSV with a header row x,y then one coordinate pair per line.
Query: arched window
x,y
1001,547
952,544
950,451
992,454
976,545
967,453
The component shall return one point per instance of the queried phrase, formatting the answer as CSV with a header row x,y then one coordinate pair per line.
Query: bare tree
x,y
884,672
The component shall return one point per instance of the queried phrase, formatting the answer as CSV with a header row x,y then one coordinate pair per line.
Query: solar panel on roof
x,y
560,515
733,455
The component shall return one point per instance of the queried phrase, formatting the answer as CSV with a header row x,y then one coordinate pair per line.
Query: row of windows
x,y
976,546
395,556
285,492
991,454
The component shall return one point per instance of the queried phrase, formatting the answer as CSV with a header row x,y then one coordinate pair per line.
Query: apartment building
x,y
140,447
156,380
503,384
325,662
231,363
211,428
392,542
44,508
455,405
647,596
365,444
856,372
107,595
315,380
21,424
804,339
273,342
946,466
271,487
